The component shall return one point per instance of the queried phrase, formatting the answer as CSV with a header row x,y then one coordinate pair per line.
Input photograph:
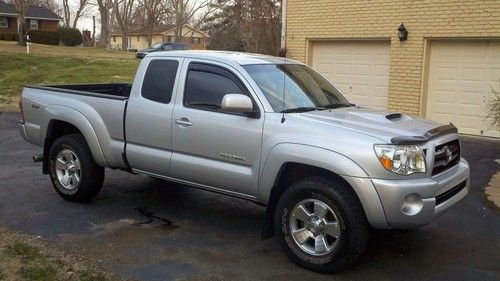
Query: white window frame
x,y
4,22
32,25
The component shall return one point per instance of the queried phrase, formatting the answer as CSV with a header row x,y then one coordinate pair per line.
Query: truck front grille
x,y
446,156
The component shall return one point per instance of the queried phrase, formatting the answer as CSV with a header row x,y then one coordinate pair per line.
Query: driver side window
x,y
206,85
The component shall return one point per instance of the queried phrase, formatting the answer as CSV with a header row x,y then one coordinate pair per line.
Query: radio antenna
x,y
283,51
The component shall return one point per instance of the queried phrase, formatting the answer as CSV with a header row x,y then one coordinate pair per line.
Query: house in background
x,y
444,71
136,39
37,18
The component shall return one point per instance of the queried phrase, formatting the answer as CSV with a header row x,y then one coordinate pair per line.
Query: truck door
x,y
217,150
148,122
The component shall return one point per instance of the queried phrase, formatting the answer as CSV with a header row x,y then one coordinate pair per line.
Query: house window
x,y
33,24
171,39
195,40
3,22
138,38
114,38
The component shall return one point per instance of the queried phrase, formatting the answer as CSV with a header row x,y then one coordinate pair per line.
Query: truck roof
x,y
240,58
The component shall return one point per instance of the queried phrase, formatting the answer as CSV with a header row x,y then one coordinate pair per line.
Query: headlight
x,y
401,159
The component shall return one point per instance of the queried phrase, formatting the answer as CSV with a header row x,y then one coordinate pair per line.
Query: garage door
x,y
461,75
359,68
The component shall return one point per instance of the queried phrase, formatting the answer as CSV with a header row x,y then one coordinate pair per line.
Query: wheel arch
x,y
305,161
63,121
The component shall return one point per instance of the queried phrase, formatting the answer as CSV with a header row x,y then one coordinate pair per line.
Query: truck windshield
x,y
299,86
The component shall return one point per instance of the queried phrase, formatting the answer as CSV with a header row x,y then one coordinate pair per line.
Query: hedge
x,y
44,37
70,36
8,36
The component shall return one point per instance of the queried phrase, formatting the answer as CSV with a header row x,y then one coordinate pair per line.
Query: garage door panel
x,y
461,75
443,97
342,68
359,68
446,74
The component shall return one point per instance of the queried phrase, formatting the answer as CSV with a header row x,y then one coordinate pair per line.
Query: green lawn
x,y
18,69
23,257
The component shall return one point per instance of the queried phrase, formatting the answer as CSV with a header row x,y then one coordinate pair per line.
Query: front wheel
x,y
73,171
321,224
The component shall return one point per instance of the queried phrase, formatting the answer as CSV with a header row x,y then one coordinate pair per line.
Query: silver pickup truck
x,y
261,128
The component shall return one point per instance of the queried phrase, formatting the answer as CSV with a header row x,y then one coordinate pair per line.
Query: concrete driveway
x,y
151,230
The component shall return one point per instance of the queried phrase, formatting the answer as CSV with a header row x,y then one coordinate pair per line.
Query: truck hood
x,y
379,124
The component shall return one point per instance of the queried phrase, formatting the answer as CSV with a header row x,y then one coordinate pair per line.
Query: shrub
x,y
8,36
70,36
44,37
494,106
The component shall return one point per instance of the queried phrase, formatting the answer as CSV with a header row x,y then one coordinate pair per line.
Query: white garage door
x,y
461,75
359,68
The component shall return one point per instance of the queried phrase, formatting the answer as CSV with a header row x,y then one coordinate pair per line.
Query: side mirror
x,y
238,103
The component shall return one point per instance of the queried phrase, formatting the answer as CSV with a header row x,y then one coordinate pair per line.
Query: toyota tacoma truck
x,y
261,128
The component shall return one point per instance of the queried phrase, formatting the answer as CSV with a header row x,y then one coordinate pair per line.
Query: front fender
x,y
326,159
77,119
303,154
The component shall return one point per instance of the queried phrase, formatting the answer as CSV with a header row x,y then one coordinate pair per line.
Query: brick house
x,y
196,39
444,71
37,18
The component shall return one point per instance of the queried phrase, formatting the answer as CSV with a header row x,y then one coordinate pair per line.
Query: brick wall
x,y
49,25
363,19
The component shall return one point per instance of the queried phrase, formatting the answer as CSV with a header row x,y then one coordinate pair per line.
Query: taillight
x,y
21,107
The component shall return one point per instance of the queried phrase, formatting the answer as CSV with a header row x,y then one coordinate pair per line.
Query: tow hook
x,y
38,158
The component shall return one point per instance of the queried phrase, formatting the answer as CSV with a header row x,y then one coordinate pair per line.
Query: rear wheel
x,y
321,224
73,171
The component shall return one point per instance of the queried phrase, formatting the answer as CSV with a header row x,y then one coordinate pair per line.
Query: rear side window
x,y
206,85
159,80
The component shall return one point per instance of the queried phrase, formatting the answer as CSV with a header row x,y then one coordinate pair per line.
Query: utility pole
x,y
93,31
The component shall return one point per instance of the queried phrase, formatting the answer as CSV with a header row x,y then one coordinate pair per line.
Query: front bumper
x,y
429,197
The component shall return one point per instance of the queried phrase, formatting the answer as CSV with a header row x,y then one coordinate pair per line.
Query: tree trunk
x,y
124,40
149,35
104,12
22,28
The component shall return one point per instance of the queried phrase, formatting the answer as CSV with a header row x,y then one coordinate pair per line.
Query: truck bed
x,y
112,90
98,108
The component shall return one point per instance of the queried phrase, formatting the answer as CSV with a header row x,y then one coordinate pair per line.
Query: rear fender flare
x,y
77,119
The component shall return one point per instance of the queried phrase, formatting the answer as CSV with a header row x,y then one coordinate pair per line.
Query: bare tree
x,y
123,11
21,8
67,10
52,5
154,13
184,11
105,10
246,25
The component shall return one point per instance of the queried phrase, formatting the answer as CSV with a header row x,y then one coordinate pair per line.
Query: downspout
x,y
283,24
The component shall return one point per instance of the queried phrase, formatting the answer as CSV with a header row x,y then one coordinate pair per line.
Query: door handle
x,y
183,122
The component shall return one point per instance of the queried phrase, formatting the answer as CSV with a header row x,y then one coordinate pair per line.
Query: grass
x,y
59,65
63,51
25,258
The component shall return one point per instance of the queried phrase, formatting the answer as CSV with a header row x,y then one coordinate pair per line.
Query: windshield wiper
x,y
338,105
301,109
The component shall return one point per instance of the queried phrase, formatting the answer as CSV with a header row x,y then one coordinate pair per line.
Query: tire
x,y
87,184
343,217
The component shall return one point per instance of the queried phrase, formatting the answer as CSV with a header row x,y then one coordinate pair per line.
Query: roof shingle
x,y
32,12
